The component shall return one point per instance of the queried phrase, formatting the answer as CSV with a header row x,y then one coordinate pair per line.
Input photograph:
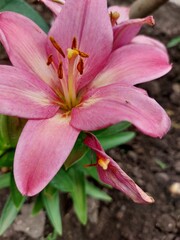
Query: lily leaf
x,y
17,197
62,181
5,180
8,215
117,128
51,203
6,158
25,9
116,140
79,194
95,192
38,205
77,153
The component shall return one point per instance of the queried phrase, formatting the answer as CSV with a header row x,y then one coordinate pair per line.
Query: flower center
x,y
68,96
103,163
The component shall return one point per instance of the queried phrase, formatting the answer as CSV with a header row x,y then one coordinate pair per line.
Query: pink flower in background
x,y
79,77
54,5
110,173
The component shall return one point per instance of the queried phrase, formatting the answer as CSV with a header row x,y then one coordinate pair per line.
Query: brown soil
x,y
141,159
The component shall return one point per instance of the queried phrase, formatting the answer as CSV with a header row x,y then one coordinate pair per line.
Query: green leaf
x,y
51,203
95,192
17,197
5,180
77,153
116,140
119,127
161,164
62,181
25,9
8,215
38,205
175,41
79,194
6,159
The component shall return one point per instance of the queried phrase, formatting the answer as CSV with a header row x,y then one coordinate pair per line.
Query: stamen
x,y
72,53
80,66
90,165
103,163
49,60
58,1
83,54
114,17
56,45
74,43
60,71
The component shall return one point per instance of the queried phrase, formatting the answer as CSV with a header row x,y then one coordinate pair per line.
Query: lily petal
x,y
123,12
133,64
115,103
42,149
24,95
113,175
126,31
25,44
141,39
54,6
90,24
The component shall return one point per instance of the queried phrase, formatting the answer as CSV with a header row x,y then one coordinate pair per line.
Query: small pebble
x,y
175,189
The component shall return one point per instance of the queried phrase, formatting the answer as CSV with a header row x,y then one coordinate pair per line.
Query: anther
x,y
103,163
56,45
60,71
114,17
49,60
58,1
80,66
74,43
83,54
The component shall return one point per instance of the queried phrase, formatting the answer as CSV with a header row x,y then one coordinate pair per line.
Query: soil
x,y
153,163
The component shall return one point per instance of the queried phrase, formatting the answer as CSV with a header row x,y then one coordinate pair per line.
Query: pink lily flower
x,y
54,5
72,80
110,173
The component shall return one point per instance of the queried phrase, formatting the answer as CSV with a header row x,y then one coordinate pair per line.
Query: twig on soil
x,y
142,8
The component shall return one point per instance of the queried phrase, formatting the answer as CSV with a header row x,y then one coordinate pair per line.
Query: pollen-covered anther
x,y
60,71
114,17
50,60
56,45
80,66
103,163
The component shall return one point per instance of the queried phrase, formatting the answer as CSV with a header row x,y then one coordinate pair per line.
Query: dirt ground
x,y
154,164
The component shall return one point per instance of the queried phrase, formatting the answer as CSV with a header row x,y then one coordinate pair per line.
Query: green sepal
x,y
51,201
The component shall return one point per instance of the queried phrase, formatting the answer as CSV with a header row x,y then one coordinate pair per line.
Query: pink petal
x,y
133,64
24,95
42,149
123,11
126,31
114,103
115,176
141,39
55,7
89,22
25,44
